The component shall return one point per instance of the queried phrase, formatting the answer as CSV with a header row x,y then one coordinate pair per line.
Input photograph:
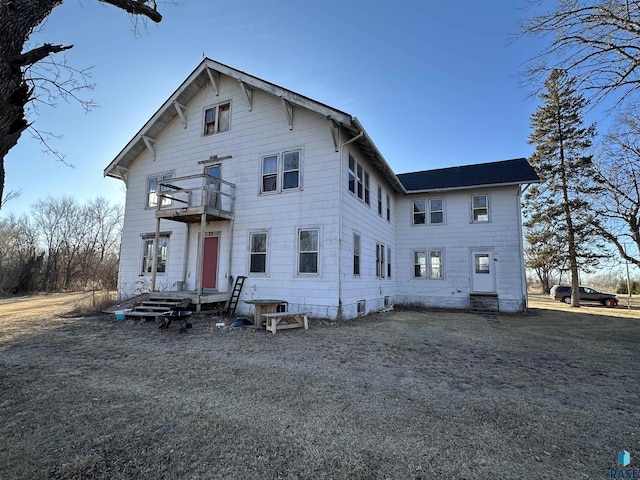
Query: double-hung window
x,y
258,252
147,255
433,216
269,173
419,212
388,208
356,254
379,200
291,170
480,208
308,250
281,172
380,263
428,264
359,180
419,264
435,264
217,119
436,211
153,190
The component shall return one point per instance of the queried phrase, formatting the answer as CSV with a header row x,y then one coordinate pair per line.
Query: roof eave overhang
x,y
375,157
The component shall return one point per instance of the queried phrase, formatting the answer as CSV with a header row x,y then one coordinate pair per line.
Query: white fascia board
x,y
469,187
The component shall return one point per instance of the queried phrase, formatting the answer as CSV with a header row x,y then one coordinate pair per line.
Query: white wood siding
x,y
363,219
456,238
323,202
252,134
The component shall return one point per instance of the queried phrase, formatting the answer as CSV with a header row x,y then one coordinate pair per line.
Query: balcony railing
x,y
185,199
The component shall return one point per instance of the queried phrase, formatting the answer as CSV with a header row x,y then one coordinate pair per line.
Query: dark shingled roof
x,y
516,171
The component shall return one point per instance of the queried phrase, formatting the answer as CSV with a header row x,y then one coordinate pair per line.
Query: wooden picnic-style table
x,y
264,305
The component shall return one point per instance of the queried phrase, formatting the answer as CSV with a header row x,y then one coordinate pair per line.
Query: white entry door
x,y
482,271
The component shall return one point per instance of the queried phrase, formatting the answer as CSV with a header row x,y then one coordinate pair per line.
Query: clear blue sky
x,y
433,82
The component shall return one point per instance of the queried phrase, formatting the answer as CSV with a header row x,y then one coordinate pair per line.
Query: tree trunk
x,y
571,237
18,19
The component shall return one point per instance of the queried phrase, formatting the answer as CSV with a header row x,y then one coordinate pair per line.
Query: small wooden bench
x,y
273,319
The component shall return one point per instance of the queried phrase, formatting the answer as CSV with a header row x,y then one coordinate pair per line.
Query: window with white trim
x,y
380,263
428,264
435,264
352,174
419,264
359,180
152,190
480,208
434,215
147,255
269,173
217,119
436,211
379,200
356,254
258,252
281,172
388,208
291,170
308,251
366,188
388,262
419,212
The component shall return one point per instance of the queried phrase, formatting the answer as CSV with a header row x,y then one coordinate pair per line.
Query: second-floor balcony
x,y
186,199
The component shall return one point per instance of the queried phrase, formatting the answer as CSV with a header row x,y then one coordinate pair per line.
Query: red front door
x,y
210,262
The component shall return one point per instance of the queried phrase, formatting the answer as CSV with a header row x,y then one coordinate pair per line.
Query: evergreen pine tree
x,y
559,202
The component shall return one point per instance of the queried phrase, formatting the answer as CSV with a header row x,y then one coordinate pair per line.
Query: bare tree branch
x,y
36,54
595,41
32,76
137,8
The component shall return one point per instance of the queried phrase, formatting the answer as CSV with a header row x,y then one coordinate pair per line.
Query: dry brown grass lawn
x,y
406,394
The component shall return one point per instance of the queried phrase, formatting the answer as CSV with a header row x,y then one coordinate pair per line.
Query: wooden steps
x,y
157,305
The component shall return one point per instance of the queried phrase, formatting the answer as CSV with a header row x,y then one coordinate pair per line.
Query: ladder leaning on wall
x,y
235,295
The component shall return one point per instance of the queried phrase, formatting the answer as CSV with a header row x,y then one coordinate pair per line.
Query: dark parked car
x,y
587,294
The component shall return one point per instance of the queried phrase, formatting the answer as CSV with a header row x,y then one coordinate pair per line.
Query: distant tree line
x,y
61,245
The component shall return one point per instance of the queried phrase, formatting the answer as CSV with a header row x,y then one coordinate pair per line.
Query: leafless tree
x,y
33,74
618,202
63,245
596,41
19,260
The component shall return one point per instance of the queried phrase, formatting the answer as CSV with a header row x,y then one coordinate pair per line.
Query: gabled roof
x,y
209,71
506,172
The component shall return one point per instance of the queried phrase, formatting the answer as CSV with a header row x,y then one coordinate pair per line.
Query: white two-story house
x,y
237,177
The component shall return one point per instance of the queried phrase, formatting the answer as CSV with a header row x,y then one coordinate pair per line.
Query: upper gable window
x,y
216,119
480,207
